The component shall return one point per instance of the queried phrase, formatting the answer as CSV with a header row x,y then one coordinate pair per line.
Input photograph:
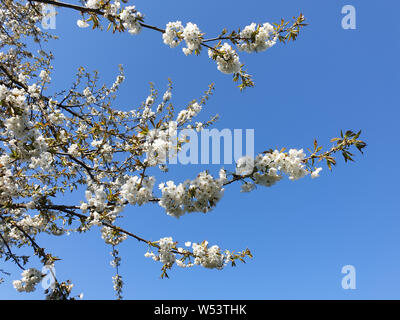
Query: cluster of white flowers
x,y
44,161
257,38
25,137
120,78
34,91
107,152
56,117
45,76
73,150
131,18
270,167
165,254
160,144
193,38
30,278
253,38
29,224
189,113
210,258
147,114
291,164
118,283
110,236
137,190
8,187
89,96
113,8
227,59
17,125
96,200
116,261
207,257
245,165
3,92
167,95
172,35
198,195
93,4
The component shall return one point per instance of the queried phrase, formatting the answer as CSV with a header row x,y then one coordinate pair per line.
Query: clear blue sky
x,y
301,233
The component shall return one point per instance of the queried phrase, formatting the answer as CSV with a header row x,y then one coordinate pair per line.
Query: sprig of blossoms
x,y
111,236
198,195
173,34
201,255
117,279
30,278
193,38
93,4
257,38
253,38
227,59
267,168
137,190
131,19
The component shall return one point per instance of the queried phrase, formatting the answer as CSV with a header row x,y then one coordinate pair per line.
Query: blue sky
x,y
301,233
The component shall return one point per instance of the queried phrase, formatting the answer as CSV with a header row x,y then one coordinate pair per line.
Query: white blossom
x,y
193,38
227,59
137,190
315,173
131,19
198,195
172,35
93,4
111,237
82,24
257,38
30,278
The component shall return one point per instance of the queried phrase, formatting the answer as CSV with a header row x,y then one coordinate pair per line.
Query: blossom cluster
x,y
210,258
160,144
131,18
24,137
30,278
257,38
137,190
253,38
96,200
207,257
93,4
164,253
267,168
227,59
193,38
198,195
173,34
110,236
189,113
118,283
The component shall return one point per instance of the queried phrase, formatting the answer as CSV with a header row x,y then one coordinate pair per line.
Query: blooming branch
x,y
253,38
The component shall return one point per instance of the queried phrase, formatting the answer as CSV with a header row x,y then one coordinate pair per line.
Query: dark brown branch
x,y
12,255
